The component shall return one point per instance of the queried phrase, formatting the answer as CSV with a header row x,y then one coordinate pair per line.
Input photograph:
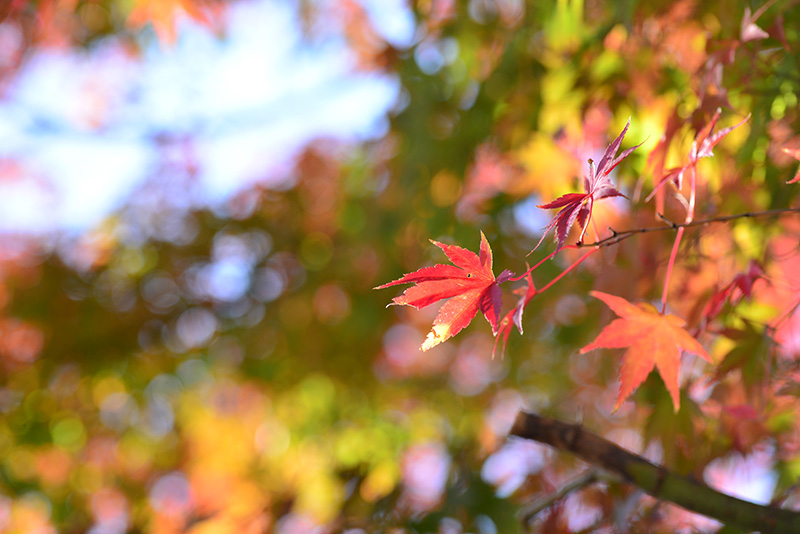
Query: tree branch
x,y
654,479
616,237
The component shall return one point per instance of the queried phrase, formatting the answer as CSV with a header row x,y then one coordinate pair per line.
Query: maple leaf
x,y
702,147
652,340
795,153
469,283
578,206
163,15
514,316
739,288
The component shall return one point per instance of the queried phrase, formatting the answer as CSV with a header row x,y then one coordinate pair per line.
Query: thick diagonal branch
x,y
654,479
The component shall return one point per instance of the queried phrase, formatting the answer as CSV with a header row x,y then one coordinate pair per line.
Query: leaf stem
x,y
676,245
672,256
588,218
531,269
568,269
692,194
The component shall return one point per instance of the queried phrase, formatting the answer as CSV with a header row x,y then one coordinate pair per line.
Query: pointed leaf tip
x,y
795,153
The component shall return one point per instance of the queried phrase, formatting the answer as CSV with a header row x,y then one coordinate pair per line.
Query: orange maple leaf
x,y
652,340
163,14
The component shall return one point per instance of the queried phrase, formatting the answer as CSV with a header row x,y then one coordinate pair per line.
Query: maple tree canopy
x,y
199,196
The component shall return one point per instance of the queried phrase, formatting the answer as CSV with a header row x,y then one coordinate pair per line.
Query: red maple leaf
x,y
470,285
739,288
652,340
702,147
578,206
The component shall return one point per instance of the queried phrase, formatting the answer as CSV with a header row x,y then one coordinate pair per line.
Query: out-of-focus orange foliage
x,y
164,15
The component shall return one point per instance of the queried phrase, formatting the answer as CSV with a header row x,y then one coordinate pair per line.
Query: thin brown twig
x,y
785,315
530,511
617,237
